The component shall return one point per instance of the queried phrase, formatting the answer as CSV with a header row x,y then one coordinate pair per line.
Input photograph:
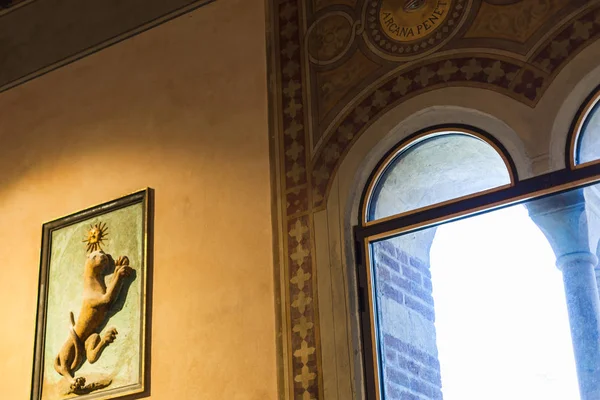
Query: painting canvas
x,y
92,311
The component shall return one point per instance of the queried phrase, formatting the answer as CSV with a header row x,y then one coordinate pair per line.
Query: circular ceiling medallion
x,y
409,28
409,20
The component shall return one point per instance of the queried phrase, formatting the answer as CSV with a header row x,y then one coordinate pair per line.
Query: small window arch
x,y
585,135
433,167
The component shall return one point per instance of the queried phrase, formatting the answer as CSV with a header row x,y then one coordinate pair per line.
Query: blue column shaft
x,y
583,305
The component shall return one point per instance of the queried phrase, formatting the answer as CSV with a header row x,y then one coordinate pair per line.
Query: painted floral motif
x,y
329,37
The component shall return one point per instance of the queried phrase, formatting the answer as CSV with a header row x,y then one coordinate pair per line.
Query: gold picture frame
x,y
93,316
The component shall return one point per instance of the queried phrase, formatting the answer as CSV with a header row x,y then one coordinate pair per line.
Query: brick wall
x,y
405,310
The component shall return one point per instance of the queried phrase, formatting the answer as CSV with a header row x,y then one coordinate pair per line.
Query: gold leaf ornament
x,y
95,237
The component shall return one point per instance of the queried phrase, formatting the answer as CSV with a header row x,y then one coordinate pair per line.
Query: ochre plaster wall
x,y
181,108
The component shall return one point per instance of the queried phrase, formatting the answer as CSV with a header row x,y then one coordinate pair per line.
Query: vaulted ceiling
x,y
353,59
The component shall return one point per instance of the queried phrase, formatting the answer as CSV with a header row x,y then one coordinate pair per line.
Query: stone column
x,y
592,207
563,219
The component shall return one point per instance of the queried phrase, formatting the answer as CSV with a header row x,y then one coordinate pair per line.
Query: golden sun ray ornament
x,y
95,237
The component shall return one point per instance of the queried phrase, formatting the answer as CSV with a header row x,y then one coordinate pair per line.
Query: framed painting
x,y
93,298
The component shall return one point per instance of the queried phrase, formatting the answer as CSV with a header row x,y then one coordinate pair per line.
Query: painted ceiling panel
x,y
517,22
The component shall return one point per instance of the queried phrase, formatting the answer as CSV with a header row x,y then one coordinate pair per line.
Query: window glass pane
x,y
589,142
477,308
436,170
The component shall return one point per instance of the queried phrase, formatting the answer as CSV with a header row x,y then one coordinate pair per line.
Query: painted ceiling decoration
x,y
33,38
340,64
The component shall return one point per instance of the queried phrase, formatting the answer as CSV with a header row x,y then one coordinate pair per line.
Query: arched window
x,y
435,167
446,324
586,136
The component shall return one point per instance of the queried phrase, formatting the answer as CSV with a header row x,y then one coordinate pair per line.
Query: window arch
x,y
437,166
584,146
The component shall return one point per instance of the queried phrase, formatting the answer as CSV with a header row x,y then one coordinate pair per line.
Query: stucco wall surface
x,y
181,108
